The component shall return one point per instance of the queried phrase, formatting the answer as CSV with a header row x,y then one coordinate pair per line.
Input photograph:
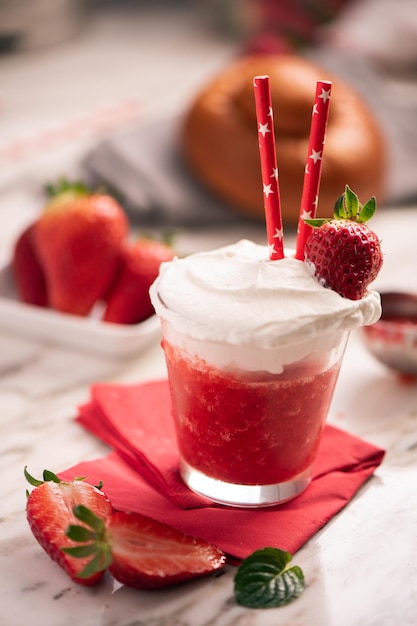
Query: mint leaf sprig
x,y
266,580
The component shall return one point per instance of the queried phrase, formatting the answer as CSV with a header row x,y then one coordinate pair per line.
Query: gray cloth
x,y
144,166
372,46
393,101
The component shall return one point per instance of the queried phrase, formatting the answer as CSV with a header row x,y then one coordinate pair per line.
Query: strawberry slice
x,y
139,551
49,511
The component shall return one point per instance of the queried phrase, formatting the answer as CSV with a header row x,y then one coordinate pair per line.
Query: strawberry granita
x,y
248,429
253,349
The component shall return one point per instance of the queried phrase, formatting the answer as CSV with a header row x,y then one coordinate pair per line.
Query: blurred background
x,y
76,73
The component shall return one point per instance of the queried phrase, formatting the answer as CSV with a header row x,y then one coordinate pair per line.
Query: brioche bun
x,y
220,141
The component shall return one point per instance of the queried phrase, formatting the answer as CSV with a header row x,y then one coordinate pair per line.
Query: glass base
x,y
244,496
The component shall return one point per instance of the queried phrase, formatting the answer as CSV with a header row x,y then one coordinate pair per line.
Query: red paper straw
x,y
269,169
312,173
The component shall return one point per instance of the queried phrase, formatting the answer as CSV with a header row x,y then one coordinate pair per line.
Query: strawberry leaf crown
x,y
65,186
65,191
49,476
348,207
92,541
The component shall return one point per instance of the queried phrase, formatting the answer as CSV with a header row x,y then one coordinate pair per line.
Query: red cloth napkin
x,y
141,474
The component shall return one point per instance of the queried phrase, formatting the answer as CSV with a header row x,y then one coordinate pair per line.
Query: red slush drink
x,y
248,428
243,428
253,350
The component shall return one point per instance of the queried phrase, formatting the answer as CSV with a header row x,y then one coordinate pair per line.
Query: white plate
x,y
81,333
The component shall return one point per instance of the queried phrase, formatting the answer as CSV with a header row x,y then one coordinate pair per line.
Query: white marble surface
x,y
360,569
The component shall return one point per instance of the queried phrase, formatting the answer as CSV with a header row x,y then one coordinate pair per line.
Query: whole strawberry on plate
x,y
28,273
128,301
78,240
49,511
343,252
140,552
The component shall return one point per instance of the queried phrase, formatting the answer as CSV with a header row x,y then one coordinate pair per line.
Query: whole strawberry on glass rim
x,y
343,252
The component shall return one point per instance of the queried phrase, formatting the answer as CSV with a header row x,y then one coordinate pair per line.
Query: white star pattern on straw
x,y
305,215
271,249
269,167
312,172
316,156
263,129
325,95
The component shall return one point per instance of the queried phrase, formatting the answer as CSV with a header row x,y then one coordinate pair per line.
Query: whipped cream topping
x,y
235,294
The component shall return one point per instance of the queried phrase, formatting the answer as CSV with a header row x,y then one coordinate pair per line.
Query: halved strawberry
x,y
141,552
344,253
49,511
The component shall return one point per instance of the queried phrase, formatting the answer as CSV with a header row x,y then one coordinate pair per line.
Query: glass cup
x,y
249,419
